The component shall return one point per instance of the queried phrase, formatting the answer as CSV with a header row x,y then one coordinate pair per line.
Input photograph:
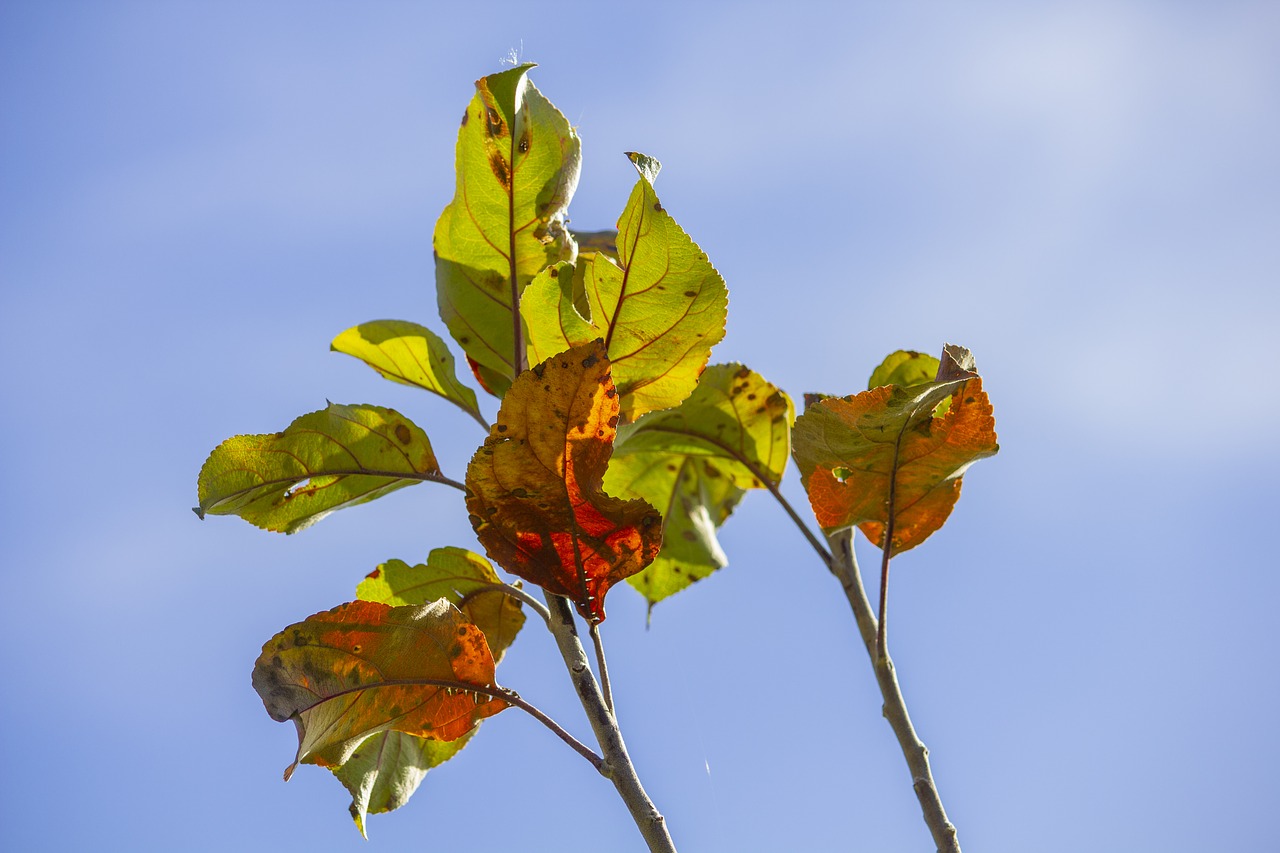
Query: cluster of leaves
x,y
617,456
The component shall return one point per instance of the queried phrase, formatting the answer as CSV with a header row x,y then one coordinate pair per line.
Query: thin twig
x,y
882,650
845,565
823,553
507,589
617,765
604,668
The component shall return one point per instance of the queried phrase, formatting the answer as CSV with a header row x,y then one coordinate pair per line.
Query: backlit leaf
x,y
884,453
453,574
695,462
660,307
363,668
905,368
534,489
410,354
517,163
385,770
326,460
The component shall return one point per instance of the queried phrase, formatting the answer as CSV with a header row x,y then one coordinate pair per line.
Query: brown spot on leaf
x,y
500,169
495,126
402,434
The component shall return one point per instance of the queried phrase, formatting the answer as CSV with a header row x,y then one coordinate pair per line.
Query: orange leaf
x,y
883,454
366,667
534,488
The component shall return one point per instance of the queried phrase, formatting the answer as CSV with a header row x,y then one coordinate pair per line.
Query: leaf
x,y
905,368
453,574
696,462
883,454
411,355
534,488
386,768
908,368
361,668
337,457
659,312
517,163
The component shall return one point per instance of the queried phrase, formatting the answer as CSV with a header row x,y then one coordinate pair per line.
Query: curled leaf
x,y
884,454
365,667
517,166
337,457
411,355
534,490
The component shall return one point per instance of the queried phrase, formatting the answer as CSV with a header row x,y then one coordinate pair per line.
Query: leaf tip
x,y
199,511
647,166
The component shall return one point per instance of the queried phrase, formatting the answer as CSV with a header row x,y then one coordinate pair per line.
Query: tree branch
x,y
617,764
845,566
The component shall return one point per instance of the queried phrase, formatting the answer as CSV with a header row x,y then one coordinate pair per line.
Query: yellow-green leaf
x,y
517,164
695,462
364,667
660,307
326,460
456,574
410,354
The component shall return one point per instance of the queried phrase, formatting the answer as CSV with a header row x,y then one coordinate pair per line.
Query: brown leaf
x,y
534,488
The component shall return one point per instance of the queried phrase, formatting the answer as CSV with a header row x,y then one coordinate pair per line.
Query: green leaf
x,y
386,769
337,457
517,164
660,309
695,462
411,355
905,368
454,574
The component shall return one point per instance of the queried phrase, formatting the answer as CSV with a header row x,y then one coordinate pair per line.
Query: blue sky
x,y
194,198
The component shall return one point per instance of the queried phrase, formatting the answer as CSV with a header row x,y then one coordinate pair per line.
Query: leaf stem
x,y
514,591
617,766
821,549
443,480
845,566
604,669
506,695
